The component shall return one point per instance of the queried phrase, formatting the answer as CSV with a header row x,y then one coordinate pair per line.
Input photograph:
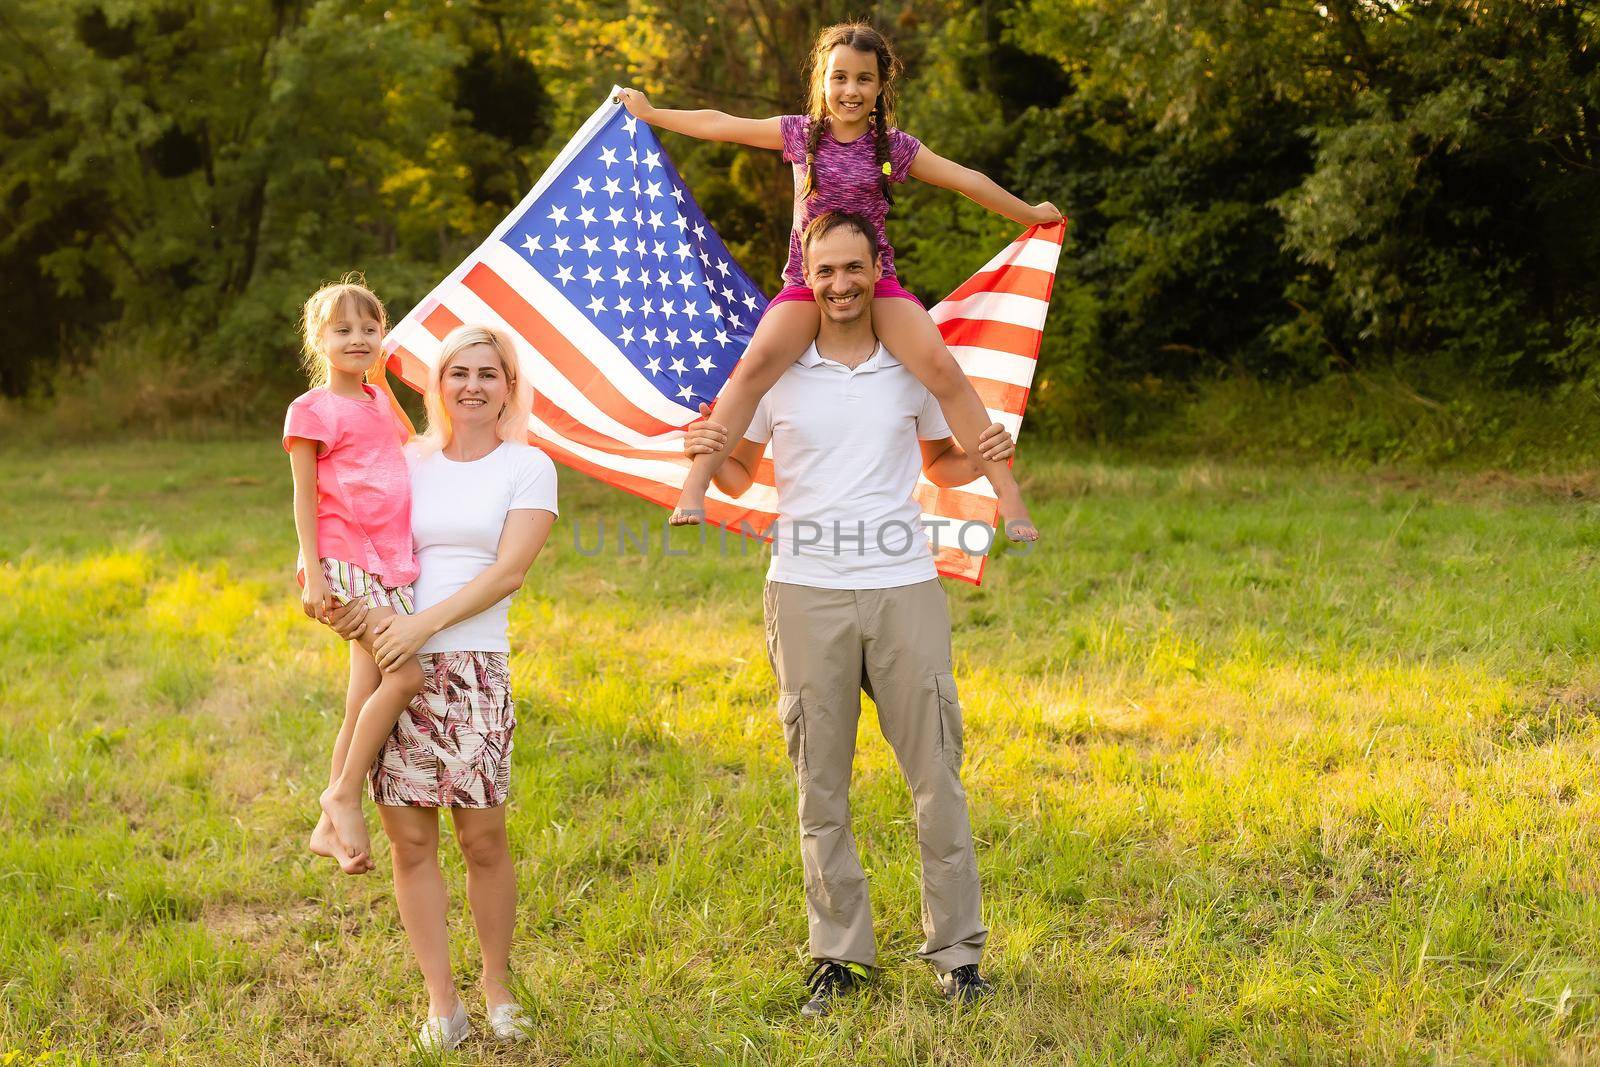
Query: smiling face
x,y
474,386
351,338
851,84
842,268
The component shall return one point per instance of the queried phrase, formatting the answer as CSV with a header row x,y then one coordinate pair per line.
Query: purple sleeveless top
x,y
848,177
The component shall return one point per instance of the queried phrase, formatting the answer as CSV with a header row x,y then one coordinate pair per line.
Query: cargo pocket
x,y
950,739
791,712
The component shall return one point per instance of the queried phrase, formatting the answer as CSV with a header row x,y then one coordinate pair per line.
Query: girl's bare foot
x,y
354,846
691,509
360,863
324,842
1021,530
691,506
1018,523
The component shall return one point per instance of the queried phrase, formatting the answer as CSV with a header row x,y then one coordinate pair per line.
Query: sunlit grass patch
x,y
1265,764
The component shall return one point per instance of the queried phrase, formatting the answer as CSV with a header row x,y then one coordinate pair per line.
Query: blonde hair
x,y
321,307
513,422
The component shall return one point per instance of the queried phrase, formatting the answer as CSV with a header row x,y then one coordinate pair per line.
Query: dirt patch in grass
x,y
257,923
1573,485
1491,485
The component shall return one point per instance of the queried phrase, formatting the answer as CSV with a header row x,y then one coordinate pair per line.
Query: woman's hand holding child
x,y
398,638
349,621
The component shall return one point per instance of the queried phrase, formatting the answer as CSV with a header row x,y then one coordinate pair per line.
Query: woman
x,y
482,504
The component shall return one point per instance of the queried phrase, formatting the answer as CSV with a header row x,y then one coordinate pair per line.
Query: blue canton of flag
x,y
623,238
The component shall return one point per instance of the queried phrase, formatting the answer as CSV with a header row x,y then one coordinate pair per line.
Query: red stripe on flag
x,y
1000,396
1013,279
1055,233
954,563
412,370
987,333
562,354
955,504
577,432
440,321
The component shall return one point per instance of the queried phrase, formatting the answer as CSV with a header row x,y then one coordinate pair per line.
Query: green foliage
x,y
200,171
1291,188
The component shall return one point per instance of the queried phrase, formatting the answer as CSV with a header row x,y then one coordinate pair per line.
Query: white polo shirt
x,y
845,462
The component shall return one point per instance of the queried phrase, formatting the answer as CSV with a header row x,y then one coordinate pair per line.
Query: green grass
x,y
1267,765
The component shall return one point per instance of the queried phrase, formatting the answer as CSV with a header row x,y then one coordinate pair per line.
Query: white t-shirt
x,y
458,511
845,462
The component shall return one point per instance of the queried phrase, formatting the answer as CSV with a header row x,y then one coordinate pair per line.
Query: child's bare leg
x,y
783,333
364,679
342,799
912,337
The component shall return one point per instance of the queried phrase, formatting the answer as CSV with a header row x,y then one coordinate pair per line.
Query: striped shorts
x,y
350,583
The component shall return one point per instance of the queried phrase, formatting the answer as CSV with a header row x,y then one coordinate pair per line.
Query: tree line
x,y
1276,189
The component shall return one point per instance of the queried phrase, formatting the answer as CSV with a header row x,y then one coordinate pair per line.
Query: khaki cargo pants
x,y
826,646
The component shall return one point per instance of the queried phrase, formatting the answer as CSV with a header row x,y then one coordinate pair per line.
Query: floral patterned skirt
x,y
452,746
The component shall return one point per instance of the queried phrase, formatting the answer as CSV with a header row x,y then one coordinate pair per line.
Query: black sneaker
x,y
828,980
965,985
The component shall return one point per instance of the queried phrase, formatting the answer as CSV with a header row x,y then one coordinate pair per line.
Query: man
x,y
853,602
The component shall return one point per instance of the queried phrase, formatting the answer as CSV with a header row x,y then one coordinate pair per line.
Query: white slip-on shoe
x,y
510,1023
441,1033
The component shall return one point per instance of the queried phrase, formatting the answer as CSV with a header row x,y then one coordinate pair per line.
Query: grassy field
x,y
1267,765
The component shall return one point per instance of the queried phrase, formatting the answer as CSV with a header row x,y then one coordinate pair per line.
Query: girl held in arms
x,y
846,155
352,517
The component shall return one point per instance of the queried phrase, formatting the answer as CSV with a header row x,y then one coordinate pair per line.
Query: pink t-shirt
x,y
849,178
363,486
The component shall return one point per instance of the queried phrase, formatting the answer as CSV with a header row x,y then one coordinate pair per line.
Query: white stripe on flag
x,y
1034,252
1027,311
415,338
1005,367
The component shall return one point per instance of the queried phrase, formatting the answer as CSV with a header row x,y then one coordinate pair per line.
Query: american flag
x,y
628,312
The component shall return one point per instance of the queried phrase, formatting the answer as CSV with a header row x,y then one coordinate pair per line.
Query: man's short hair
x,y
829,221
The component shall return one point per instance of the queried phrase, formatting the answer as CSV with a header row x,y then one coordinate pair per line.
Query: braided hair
x,y
863,38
